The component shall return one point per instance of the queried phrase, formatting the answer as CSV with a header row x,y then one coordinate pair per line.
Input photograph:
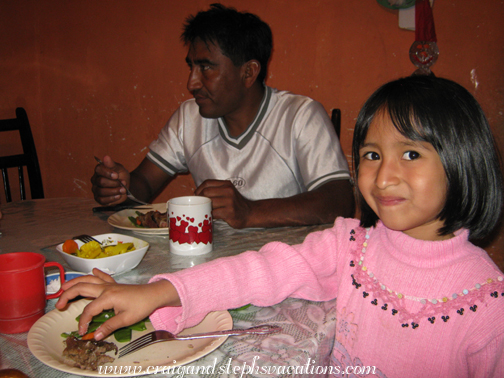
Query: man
x,y
266,158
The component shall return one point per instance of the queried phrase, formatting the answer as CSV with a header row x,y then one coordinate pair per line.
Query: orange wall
x,y
101,77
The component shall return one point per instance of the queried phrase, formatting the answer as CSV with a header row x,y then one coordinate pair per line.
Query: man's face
x,y
214,81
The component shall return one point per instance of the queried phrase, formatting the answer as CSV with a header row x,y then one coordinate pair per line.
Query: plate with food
x,y
143,220
47,340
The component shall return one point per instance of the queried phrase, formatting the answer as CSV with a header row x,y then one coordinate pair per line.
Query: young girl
x,y
414,296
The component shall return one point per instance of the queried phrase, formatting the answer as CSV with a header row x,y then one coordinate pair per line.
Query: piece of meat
x,y
141,218
87,354
161,219
153,219
150,221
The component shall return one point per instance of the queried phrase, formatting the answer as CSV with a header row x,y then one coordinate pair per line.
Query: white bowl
x,y
113,264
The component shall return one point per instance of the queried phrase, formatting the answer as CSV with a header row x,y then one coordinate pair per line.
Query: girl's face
x,y
402,180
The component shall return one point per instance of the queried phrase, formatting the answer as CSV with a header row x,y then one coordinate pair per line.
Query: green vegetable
x,y
133,220
140,326
73,334
93,326
101,317
122,335
241,308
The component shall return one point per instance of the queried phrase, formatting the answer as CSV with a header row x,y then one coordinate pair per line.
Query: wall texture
x,y
100,77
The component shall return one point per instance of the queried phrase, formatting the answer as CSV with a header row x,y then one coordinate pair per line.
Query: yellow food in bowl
x,y
93,250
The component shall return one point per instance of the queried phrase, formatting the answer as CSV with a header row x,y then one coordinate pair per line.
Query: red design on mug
x,y
189,233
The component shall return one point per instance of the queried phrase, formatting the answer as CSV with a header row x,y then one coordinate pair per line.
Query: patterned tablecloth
x,y
308,327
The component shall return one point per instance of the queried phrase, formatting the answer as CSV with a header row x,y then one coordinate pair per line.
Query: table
x,y
308,327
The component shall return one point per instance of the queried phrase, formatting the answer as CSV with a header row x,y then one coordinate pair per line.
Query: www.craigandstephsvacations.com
x,y
240,370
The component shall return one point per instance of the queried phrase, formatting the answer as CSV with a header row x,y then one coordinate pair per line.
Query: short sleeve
x,y
167,151
318,150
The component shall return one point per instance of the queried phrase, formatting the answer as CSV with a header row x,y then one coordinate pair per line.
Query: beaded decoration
x,y
393,300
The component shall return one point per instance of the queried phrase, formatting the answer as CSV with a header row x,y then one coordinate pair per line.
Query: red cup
x,y
23,290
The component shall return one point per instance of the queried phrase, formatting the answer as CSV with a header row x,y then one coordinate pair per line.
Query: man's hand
x,y
131,303
106,187
227,203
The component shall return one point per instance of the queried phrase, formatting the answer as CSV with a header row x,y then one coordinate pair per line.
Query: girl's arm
x,y
262,278
180,300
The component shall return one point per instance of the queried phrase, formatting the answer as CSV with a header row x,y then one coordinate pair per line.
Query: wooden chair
x,y
336,121
27,159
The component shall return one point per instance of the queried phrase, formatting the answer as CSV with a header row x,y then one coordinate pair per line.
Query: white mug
x,y
190,222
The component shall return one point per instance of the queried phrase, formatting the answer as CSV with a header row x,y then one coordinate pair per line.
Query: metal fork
x,y
85,238
128,193
157,336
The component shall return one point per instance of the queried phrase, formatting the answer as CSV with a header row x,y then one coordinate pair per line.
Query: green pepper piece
x,y
140,326
93,326
241,308
101,317
133,220
123,335
74,334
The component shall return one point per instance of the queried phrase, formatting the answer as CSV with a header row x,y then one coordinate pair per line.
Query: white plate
x,y
121,220
46,343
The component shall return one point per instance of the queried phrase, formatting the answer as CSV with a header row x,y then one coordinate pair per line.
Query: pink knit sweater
x,y
411,308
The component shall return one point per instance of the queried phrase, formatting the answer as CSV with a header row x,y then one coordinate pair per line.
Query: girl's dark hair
x,y
444,114
241,36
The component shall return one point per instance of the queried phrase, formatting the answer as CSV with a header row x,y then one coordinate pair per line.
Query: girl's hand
x,y
131,303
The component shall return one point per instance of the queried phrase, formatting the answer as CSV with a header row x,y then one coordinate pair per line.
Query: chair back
x,y
27,159
336,121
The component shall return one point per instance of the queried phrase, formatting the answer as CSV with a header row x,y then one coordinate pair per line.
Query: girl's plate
x,y
46,344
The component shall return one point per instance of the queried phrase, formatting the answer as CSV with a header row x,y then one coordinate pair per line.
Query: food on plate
x,y
94,250
151,219
70,246
121,335
88,336
87,354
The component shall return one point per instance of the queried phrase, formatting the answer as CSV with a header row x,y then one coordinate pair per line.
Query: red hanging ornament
x,y
424,51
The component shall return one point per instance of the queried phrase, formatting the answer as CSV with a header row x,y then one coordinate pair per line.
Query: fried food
x,y
87,354
151,219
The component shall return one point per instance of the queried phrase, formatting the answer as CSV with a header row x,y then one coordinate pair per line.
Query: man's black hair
x,y
241,36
